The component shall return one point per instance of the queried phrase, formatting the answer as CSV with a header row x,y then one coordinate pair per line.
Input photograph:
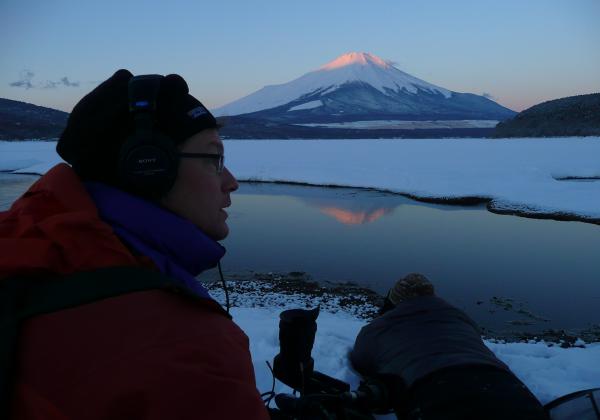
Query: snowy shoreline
x,y
547,368
525,177
557,178
279,289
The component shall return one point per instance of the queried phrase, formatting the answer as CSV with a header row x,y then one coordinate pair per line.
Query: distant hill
x,y
21,120
572,116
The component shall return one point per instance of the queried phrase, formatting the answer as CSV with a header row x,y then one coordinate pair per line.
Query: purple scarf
x,y
178,248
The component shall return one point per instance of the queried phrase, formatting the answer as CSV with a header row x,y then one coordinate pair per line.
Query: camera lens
x,y
297,328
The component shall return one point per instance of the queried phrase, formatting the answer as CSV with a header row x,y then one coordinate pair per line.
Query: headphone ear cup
x,y
148,166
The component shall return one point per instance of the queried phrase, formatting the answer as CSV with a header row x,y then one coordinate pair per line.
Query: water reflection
x,y
348,217
476,259
346,208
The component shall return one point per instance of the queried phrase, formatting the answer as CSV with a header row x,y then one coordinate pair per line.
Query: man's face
x,y
200,193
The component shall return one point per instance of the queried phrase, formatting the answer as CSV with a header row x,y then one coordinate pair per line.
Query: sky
x,y
520,53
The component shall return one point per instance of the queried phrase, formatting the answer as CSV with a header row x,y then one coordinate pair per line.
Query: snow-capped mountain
x,y
361,86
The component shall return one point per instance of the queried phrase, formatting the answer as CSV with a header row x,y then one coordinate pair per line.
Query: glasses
x,y
218,159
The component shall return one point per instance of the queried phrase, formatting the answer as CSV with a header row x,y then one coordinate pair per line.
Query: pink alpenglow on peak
x,y
353,67
360,58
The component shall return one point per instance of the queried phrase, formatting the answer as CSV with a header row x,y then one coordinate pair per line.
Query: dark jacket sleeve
x,y
419,337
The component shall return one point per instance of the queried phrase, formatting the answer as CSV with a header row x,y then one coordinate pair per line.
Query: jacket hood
x,y
54,229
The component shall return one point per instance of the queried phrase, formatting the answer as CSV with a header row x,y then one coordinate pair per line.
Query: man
x,y
435,362
144,198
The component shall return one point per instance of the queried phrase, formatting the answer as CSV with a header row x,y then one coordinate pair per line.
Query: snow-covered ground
x,y
549,372
520,175
547,369
34,157
517,174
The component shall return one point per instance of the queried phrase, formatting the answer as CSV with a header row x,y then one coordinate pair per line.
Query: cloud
x,y
65,81
489,96
26,81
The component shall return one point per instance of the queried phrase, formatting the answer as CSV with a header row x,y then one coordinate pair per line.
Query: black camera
x,y
321,396
294,365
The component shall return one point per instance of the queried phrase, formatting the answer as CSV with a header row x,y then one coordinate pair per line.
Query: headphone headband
x,y
148,159
143,92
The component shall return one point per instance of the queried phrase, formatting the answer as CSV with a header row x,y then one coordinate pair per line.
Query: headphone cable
x,y
224,286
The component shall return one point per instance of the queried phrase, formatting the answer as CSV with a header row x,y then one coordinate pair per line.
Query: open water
x,y
507,272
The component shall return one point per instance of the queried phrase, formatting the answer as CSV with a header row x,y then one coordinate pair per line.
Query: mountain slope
x,y
361,86
571,116
357,101
21,120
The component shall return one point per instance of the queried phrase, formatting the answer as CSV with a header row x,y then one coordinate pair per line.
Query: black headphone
x,y
148,160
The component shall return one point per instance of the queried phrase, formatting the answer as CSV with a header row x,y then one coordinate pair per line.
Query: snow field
x,y
549,372
521,175
517,174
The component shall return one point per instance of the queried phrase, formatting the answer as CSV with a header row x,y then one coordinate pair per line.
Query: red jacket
x,y
149,355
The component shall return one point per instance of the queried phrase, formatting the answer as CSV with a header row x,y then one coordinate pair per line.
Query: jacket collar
x,y
177,247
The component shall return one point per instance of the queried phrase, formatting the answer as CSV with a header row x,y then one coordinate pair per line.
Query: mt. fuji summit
x,y
361,87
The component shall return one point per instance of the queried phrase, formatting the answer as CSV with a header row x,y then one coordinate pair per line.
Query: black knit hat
x,y
101,122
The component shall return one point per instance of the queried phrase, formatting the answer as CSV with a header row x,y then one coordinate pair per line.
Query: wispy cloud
x,y
489,96
65,81
26,82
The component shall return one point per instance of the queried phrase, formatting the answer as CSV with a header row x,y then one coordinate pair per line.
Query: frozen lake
x,y
505,271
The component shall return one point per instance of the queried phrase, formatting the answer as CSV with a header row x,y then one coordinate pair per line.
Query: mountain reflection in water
x,y
345,206
349,217
543,272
